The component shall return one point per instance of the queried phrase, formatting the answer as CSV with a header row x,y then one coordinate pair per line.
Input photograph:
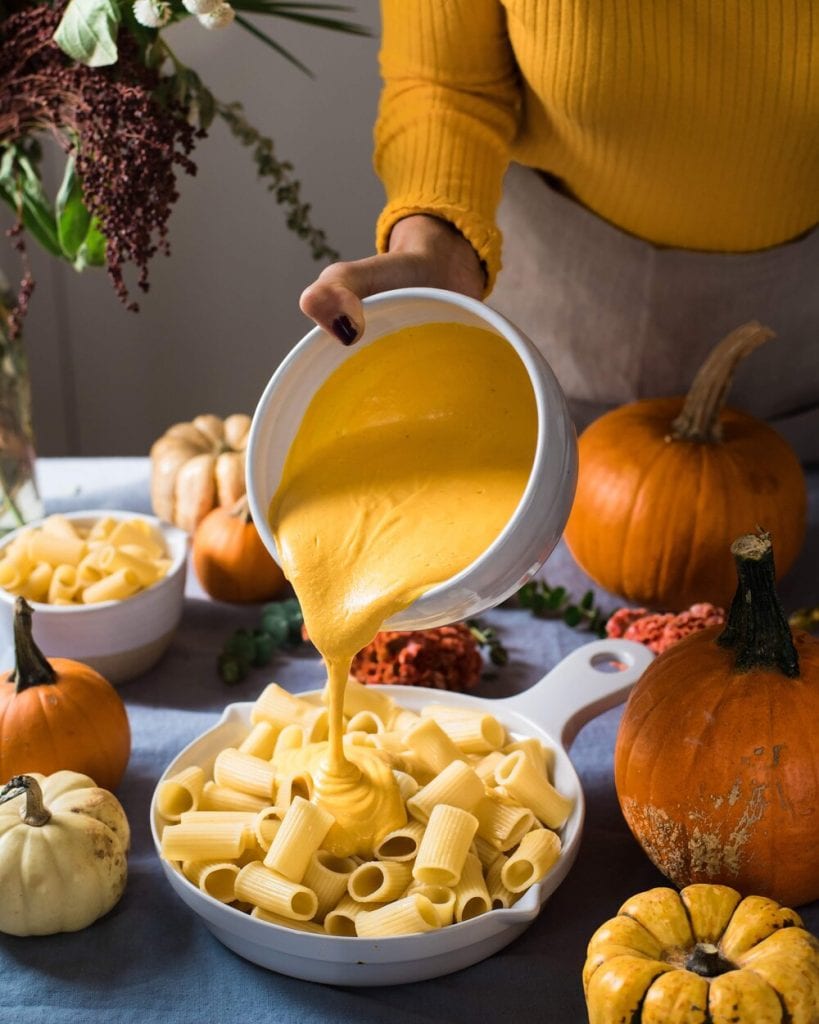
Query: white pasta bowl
x,y
587,682
535,527
121,639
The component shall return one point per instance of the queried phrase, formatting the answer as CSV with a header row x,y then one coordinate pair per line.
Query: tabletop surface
x,y
152,959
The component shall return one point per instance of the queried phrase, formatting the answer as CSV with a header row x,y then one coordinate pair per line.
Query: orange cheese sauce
x,y
409,461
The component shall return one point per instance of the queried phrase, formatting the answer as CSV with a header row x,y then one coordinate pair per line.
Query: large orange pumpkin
x,y
230,559
717,755
665,485
59,714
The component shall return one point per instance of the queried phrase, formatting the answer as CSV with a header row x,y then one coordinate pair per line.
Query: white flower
x,y
152,13
220,17
200,6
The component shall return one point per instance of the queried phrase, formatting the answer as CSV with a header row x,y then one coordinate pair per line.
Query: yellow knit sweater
x,y
689,123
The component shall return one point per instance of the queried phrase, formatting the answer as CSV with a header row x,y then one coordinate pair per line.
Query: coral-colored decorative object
x,y
59,714
717,758
661,630
665,485
446,658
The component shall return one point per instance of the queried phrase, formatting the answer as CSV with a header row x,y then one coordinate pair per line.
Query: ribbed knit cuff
x,y
448,166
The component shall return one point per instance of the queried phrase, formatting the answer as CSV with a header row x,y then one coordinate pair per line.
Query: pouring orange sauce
x,y
408,463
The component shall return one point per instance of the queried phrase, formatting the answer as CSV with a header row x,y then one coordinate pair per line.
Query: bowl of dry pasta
x,y
494,814
106,588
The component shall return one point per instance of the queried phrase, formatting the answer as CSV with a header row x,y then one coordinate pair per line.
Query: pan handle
x,y
587,682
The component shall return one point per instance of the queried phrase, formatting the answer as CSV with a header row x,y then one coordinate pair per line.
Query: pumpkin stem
x,y
756,628
700,416
242,509
33,811
31,667
707,961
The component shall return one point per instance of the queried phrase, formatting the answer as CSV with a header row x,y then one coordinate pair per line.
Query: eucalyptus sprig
x,y
550,602
485,636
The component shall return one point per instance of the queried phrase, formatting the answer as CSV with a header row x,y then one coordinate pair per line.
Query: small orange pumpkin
x,y
230,560
717,758
665,485
59,714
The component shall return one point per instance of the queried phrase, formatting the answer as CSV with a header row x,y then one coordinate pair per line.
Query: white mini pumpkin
x,y
63,846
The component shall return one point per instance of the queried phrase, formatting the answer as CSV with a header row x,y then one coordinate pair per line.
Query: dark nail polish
x,y
345,330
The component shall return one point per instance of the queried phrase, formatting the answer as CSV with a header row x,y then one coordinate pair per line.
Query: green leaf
x,y
73,219
88,32
92,251
20,187
587,601
249,27
572,616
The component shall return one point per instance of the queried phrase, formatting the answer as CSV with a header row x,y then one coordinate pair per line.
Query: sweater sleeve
x,y
448,112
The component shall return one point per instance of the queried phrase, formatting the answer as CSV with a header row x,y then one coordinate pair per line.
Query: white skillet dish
x,y
586,683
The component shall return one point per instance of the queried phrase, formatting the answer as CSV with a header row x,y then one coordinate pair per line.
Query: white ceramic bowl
x,y
581,686
534,529
120,639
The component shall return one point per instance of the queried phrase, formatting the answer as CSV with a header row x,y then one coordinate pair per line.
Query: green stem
x,y
757,629
8,500
31,668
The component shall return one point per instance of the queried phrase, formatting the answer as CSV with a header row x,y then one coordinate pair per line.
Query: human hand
x,y
424,252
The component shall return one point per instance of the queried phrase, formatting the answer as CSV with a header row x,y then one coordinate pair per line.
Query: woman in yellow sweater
x,y
651,166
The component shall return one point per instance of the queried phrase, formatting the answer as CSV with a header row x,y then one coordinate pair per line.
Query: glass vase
x,y
20,500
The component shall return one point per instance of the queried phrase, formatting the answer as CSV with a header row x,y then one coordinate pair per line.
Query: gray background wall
x,y
223,309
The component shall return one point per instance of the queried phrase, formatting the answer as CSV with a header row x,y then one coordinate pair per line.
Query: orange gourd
x,y
717,756
230,560
59,714
665,485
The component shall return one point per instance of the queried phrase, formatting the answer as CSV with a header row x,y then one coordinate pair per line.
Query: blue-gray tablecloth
x,y
151,959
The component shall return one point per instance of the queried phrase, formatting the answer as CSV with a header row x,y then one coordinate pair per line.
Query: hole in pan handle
x,y
587,682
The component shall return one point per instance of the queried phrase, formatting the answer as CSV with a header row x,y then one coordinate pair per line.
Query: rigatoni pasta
x,y
477,829
60,562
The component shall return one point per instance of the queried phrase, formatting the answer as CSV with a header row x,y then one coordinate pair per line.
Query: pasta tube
x,y
536,855
441,897
223,798
302,831
474,734
432,746
278,895
471,894
286,922
444,847
341,920
260,741
246,773
501,897
413,913
457,785
402,844
180,793
379,881
204,841
519,777
502,824
216,878
328,876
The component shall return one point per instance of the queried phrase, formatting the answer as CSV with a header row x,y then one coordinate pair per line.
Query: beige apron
x,y
619,318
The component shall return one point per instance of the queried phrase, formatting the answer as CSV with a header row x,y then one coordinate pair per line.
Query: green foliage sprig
x,y
550,602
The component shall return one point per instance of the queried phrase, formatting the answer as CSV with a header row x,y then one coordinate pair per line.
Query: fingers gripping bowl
x,y
588,681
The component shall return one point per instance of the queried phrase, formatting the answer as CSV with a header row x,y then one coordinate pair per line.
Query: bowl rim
x,y
502,918
175,538
544,388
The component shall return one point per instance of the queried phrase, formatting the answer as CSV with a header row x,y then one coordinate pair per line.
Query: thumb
x,y
334,299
